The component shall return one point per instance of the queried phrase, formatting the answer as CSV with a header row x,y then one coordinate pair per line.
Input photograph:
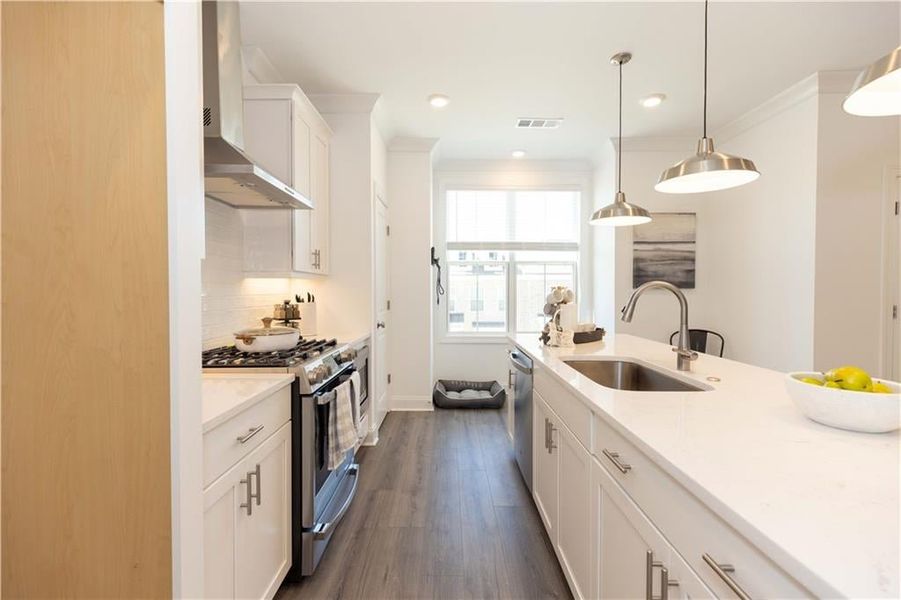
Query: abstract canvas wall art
x,y
665,249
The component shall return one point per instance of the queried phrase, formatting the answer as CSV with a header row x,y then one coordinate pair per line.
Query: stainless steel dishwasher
x,y
522,412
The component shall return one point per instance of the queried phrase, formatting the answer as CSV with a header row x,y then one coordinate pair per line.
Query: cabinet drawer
x,y
572,411
221,446
690,526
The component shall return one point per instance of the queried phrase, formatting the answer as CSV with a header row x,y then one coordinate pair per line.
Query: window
x,y
505,249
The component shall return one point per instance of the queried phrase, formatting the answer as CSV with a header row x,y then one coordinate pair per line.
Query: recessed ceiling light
x,y
439,100
518,153
653,100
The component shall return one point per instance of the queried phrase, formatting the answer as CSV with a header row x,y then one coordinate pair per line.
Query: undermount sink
x,y
621,374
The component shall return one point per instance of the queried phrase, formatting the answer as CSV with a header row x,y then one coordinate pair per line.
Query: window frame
x,y
577,183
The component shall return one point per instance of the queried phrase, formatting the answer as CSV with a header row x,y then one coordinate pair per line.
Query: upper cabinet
x,y
287,136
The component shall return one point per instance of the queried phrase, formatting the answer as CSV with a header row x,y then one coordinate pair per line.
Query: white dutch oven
x,y
266,338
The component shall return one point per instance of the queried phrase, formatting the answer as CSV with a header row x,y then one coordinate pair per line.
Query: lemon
x,y
832,384
811,380
851,378
881,388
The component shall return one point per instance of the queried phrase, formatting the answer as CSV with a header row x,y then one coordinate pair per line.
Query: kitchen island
x,y
735,474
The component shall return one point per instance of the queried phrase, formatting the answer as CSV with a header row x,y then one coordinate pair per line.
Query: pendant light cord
x,y
706,2
619,159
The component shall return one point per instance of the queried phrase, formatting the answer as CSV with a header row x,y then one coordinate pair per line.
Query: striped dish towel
x,y
342,431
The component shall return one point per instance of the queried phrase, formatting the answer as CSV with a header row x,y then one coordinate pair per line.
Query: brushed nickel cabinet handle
x,y
509,378
723,570
665,581
546,423
614,458
259,493
250,433
248,506
552,445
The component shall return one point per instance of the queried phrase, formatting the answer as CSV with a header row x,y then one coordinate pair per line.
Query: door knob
x,y
380,325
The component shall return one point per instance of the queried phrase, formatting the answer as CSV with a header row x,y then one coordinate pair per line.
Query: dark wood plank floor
x,y
441,512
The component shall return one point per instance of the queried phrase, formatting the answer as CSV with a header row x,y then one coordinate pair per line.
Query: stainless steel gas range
x,y
320,496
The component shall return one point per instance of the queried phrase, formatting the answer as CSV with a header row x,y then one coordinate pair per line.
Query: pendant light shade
x,y
708,170
620,213
877,91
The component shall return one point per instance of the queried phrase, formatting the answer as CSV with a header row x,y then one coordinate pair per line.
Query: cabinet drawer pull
x,y
547,435
723,570
250,433
614,458
551,444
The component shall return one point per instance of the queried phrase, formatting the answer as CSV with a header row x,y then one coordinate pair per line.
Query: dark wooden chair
x,y
699,340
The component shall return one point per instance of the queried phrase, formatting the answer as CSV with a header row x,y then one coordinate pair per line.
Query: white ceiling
x,y
499,61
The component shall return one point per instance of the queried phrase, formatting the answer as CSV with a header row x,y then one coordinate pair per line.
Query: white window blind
x,y
513,219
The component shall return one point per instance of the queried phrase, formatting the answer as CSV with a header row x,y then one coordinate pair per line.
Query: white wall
x,y
853,156
184,172
764,243
603,265
410,333
462,358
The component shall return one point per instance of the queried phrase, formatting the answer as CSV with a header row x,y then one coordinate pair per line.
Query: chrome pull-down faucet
x,y
684,353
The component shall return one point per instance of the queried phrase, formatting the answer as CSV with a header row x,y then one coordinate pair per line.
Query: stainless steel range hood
x,y
230,176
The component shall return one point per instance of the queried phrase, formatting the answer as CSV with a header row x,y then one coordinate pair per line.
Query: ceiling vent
x,y
537,123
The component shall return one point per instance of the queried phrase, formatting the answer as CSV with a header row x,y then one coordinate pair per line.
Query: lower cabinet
x,y
631,558
247,523
574,505
544,464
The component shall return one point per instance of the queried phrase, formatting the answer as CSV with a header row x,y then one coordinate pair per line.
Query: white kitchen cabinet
x,y
247,502
574,510
628,552
544,464
247,523
285,134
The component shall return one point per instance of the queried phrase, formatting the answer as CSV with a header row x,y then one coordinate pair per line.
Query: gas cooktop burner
x,y
229,356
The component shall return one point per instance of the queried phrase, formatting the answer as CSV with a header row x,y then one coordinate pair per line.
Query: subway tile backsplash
x,y
230,300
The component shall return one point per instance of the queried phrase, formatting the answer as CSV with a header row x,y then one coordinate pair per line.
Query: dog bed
x,y
468,394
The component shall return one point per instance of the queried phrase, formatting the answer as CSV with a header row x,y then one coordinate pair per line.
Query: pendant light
x,y
620,213
877,91
708,170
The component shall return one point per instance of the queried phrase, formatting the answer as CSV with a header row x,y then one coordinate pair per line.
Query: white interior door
x,y
382,286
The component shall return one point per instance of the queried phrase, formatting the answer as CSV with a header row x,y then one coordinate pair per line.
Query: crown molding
x,y
412,144
821,82
344,103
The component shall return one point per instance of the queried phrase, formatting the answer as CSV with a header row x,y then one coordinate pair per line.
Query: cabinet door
x,y
319,227
544,464
302,252
573,537
301,159
221,502
263,547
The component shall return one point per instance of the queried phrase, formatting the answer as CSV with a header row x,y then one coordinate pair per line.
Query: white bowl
x,y
855,411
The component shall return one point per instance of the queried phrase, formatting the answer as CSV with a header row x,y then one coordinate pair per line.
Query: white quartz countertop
x,y
821,502
226,394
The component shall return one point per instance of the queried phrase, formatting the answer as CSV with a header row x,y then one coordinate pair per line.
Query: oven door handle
x,y
323,530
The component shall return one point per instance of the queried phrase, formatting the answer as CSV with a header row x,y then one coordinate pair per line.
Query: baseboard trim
x,y
411,403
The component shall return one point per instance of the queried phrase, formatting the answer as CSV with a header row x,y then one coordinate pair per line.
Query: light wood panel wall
x,y
84,425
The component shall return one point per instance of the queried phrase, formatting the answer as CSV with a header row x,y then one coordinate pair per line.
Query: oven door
x,y
321,495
